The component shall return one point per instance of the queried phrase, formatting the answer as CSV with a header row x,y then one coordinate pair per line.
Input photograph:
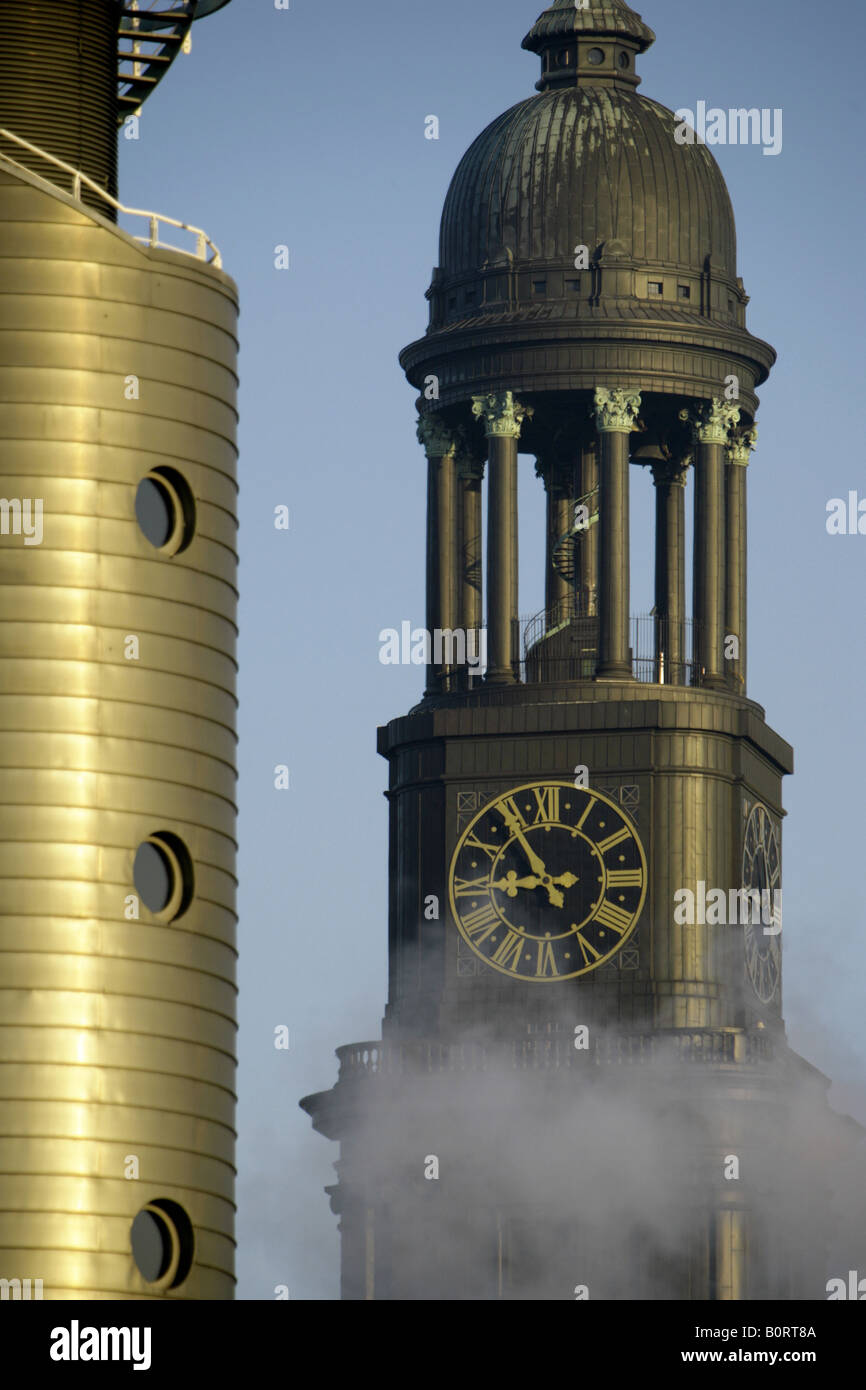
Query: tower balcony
x,y
556,1051
664,1055
560,644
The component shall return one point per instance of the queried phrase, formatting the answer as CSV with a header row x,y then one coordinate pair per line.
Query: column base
x,y
501,677
615,670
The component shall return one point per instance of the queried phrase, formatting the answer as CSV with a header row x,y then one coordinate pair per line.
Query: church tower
x,y
118,376
583,1087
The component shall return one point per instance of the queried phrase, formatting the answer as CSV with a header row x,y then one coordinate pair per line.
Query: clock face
x,y
762,870
548,881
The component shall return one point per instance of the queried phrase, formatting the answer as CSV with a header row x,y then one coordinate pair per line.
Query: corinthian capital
x,y
503,416
741,445
672,472
712,421
615,411
437,438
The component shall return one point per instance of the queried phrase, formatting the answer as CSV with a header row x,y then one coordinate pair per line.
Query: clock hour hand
x,y
511,883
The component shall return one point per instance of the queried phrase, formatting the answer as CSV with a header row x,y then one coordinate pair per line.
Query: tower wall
x,y
678,761
117,1035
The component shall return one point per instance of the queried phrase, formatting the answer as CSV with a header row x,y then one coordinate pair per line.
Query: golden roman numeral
x,y
509,952
547,802
469,887
586,949
609,915
511,815
546,960
617,839
625,878
473,842
593,802
479,924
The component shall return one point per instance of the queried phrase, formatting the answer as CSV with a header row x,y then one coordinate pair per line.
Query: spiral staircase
x,y
151,34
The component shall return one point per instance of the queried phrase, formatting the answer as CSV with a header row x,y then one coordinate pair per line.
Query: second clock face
x,y
548,881
762,871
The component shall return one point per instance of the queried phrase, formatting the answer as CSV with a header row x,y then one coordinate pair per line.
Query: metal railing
x,y
561,644
206,250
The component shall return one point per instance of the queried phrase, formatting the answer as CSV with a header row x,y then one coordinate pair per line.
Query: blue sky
x,y
305,127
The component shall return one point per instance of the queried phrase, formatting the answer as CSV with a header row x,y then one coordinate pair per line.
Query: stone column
x,y
503,418
615,416
670,570
586,541
730,1248
736,587
558,479
470,473
440,444
712,423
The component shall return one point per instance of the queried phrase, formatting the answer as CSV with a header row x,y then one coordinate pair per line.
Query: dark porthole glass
x,y
154,511
623,60
153,876
151,1245
596,55
163,1243
165,510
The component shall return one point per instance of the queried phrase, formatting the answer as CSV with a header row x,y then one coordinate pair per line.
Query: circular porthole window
x,y
596,55
163,1244
623,60
163,875
165,510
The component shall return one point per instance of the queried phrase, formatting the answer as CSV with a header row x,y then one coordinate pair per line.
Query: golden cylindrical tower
x,y
117,713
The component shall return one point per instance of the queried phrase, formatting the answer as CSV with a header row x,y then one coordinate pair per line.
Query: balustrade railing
x,y
730,1047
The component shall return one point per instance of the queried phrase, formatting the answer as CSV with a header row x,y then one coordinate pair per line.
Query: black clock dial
x,y
548,881
762,871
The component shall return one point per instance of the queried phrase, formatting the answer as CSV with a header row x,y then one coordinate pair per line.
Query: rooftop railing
x,y
205,249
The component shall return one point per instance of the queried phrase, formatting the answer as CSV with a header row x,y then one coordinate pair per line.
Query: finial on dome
x,y
588,41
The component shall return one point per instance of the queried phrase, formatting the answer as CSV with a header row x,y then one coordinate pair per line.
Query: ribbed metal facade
x,y
117,1033
58,84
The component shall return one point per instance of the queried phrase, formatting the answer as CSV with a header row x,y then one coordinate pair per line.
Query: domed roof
x,y
580,236
586,164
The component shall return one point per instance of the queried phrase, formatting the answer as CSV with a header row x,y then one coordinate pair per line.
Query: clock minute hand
x,y
536,863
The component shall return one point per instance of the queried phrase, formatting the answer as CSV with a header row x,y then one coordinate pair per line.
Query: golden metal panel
x,y
155,981
117,1036
118,1013
149,1090
138,1124
83,680
103,1049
